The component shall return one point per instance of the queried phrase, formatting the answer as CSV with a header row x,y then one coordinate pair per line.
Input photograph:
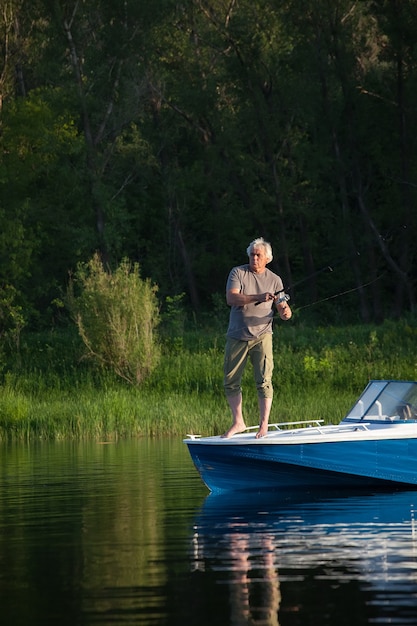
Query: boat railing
x,y
335,428
312,425
319,427
278,425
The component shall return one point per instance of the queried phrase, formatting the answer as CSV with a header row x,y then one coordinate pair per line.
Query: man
x,y
252,291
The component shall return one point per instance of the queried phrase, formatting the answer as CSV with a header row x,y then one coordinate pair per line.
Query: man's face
x,y
257,259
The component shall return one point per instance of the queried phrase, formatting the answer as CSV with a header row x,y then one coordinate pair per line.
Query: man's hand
x,y
284,311
281,303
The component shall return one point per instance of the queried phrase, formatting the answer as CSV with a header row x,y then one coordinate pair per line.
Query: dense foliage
x,y
173,133
116,314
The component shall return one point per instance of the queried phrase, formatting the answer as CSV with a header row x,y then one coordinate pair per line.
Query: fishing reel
x,y
284,298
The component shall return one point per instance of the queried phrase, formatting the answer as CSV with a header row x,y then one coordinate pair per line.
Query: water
x,y
124,533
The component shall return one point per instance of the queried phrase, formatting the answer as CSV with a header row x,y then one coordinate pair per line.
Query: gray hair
x,y
260,241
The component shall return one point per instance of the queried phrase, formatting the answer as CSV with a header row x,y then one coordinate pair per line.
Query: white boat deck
x,y
314,431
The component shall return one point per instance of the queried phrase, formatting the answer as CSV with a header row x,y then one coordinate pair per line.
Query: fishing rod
x,y
285,297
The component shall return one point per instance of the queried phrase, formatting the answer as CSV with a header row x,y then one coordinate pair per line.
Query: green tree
x,y
172,133
42,199
117,315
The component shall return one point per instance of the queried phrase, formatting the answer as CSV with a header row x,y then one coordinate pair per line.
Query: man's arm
x,y
235,298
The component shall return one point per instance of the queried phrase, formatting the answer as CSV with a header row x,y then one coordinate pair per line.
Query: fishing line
x,y
336,295
341,293
325,268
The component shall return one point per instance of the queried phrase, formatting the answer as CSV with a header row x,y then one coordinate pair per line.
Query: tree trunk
x,y
308,260
93,169
192,287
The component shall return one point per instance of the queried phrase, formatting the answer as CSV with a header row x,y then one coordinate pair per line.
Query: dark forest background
x,y
173,133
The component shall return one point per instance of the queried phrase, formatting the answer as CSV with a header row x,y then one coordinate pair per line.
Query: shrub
x,y
117,315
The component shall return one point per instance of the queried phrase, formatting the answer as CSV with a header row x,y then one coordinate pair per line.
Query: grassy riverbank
x,y
47,392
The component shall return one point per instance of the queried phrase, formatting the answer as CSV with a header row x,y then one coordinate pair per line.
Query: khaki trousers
x,y
259,351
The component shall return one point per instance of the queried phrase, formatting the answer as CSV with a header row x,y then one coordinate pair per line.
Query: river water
x,y
124,533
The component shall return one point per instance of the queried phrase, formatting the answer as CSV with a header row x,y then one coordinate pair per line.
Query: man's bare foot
x,y
234,430
261,433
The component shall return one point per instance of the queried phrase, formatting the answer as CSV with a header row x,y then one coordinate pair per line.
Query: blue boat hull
x,y
368,463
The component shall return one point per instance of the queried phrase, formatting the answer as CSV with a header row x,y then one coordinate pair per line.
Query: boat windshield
x,y
386,400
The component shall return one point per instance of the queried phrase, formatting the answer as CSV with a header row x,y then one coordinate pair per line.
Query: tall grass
x,y
48,393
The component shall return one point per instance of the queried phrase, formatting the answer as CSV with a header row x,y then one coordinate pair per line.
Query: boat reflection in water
x,y
311,559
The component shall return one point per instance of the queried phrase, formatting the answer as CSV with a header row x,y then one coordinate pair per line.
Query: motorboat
x,y
374,445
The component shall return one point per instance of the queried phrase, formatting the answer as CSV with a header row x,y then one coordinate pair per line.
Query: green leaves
x,y
117,316
173,134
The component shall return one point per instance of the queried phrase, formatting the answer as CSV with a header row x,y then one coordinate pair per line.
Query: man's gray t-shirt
x,y
251,321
